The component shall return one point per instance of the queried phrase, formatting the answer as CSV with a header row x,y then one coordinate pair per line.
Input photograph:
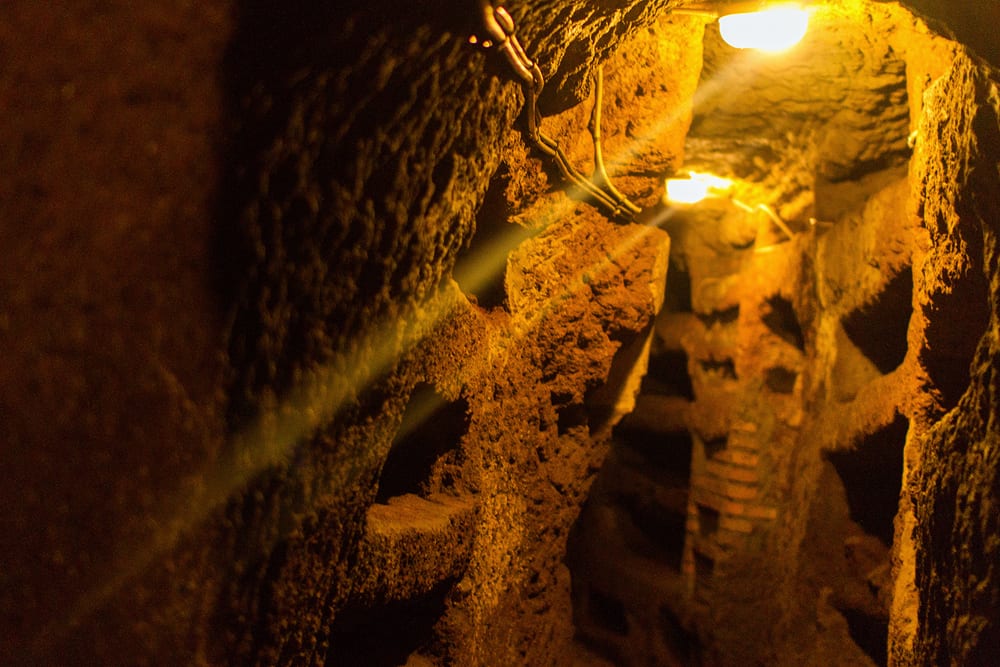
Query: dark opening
x,y
480,268
708,520
873,476
570,417
387,635
667,375
954,332
681,645
870,633
669,455
677,298
656,516
725,368
431,428
724,316
715,445
780,380
661,528
703,569
879,329
608,612
782,320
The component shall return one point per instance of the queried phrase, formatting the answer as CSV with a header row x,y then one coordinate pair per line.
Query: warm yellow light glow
x,y
696,187
772,30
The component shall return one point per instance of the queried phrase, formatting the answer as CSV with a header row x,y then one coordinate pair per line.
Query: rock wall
x,y
249,415
310,358
795,484
110,389
951,489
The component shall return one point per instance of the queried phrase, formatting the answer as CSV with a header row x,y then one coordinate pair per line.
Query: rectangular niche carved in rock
x,y
879,328
667,375
481,268
387,635
708,520
704,569
873,476
431,429
781,319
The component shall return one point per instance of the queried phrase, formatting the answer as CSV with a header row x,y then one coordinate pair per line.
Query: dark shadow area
x,y
708,520
780,380
677,298
669,455
850,565
570,417
717,317
481,268
659,530
704,569
431,428
879,328
635,516
607,611
654,518
714,446
386,636
682,646
289,155
958,320
873,476
667,375
781,319
725,369
870,633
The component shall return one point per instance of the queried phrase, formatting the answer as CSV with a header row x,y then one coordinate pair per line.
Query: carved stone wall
x,y
249,414
770,500
309,357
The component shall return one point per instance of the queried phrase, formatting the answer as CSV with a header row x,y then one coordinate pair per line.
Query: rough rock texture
x,y
112,332
228,235
796,484
310,359
810,124
952,486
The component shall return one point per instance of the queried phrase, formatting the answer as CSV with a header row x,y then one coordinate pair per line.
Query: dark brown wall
x,y
202,206
110,328
203,211
971,21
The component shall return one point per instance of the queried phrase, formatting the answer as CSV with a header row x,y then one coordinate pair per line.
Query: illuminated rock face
x,y
309,358
795,485
249,415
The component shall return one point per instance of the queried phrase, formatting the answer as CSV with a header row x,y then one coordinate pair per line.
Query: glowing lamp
x,y
694,188
772,30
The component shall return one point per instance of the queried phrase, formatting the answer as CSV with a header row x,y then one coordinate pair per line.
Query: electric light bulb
x,y
696,187
772,30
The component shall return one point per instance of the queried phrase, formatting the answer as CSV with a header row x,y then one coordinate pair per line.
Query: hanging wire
x,y
501,36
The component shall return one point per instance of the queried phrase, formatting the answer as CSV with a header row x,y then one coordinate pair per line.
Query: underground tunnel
x,y
546,332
